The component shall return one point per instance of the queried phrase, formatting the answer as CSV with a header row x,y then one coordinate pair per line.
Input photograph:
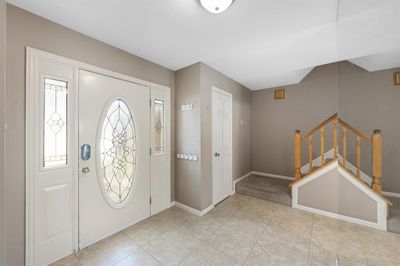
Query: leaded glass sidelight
x,y
55,123
159,126
118,152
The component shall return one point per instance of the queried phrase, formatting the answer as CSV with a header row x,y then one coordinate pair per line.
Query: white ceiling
x,y
259,43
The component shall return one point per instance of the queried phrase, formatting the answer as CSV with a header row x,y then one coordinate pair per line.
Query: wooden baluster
x,y
310,153
322,146
335,139
297,154
358,156
377,160
344,143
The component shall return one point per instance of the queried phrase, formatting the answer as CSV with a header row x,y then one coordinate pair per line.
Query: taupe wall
x,y
323,194
2,115
369,100
242,158
25,29
274,121
188,177
193,132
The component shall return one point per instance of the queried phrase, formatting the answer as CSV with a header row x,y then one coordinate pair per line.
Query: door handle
x,y
85,170
217,154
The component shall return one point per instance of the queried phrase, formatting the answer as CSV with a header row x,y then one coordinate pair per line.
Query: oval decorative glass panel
x,y
118,152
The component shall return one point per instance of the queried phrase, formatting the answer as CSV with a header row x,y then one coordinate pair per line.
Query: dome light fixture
x,y
216,6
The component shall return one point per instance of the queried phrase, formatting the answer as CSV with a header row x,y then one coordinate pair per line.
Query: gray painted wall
x,y
2,116
322,193
193,132
369,100
25,29
188,177
365,100
274,121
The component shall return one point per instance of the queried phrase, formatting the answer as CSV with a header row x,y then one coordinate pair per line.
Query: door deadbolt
x,y
217,154
85,170
85,152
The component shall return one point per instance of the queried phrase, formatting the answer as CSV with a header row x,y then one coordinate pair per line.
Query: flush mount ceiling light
x,y
216,6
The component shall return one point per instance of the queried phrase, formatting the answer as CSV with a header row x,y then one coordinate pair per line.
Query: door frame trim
x,y
31,53
215,89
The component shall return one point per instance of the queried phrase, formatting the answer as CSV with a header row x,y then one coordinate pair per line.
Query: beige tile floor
x,y
242,231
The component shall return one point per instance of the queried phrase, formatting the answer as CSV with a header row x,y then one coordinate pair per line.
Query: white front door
x,y
114,164
160,149
221,144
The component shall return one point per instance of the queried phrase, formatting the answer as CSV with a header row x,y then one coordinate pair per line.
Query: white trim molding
x,y
391,194
192,210
239,179
273,175
330,155
381,204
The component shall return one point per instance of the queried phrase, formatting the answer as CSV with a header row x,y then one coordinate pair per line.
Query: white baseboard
x,y
342,217
273,175
239,179
192,210
391,194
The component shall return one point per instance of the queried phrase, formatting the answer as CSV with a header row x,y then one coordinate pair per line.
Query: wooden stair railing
x,y
375,141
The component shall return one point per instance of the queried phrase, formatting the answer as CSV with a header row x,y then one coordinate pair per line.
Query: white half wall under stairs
x,y
335,192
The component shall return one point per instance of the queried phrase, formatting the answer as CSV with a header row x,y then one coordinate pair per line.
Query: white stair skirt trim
x,y
239,179
364,177
329,155
317,161
391,194
381,204
192,210
273,175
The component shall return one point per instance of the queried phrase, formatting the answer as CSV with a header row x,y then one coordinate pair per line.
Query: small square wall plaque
x,y
397,79
279,94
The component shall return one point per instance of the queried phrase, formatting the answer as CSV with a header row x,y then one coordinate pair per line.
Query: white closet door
x,y
222,144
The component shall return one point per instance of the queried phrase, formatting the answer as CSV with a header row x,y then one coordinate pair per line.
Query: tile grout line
x,y
362,247
258,239
142,247
205,242
223,252
309,245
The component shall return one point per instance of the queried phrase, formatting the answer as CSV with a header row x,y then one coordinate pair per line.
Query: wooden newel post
x,y
377,160
297,154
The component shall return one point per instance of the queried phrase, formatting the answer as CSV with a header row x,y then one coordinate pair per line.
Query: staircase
x,y
375,140
348,193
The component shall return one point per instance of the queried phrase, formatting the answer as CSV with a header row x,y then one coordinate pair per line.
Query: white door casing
x,y
50,189
221,144
160,149
61,193
97,94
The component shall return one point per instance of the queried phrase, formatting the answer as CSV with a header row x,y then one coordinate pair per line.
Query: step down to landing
x,y
266,188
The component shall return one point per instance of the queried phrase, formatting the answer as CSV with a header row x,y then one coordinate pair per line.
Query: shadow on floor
x,y
267,188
